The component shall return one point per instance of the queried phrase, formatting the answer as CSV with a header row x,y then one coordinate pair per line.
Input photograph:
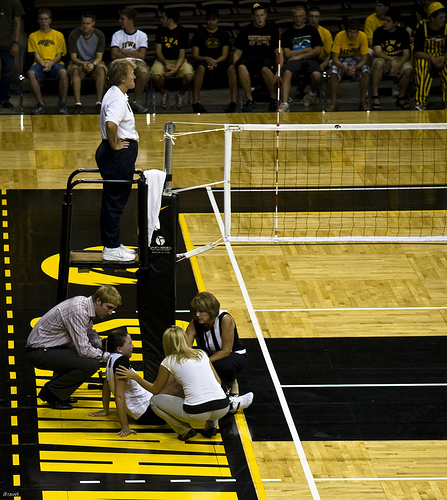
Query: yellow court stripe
x,y
138,495
193,260
240,418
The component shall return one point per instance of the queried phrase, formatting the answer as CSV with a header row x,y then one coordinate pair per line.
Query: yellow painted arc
x,y
93,277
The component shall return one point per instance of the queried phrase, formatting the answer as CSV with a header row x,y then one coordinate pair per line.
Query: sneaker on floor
x,y
309,99
40,109
63,109
231,107
197,107
395,91
165,101
240,402
138,108
284,107
419,107
273,105
77,109
249,106
129,251
117,254
7,104
98,108
178,102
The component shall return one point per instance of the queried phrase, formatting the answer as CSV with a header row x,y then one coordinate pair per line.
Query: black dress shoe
x,y
209,432
59,405
71,400
188,435
53,401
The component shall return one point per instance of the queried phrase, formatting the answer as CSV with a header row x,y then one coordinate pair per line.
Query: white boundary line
x,y
348,386
382,479
326,309
284,406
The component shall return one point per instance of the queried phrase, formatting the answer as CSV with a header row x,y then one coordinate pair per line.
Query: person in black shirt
x,y
430,55
210,51
255,49
391,45
171,42
302,46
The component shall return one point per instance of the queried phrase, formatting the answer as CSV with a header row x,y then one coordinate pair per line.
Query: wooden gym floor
x,y
346,342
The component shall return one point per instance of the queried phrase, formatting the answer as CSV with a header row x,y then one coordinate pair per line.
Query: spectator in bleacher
x,y
430,55
12,11
375,20
314,17
302,45
391,45
171,42
86,46
349,57
418,16
131,43
48,47
210,51
254,54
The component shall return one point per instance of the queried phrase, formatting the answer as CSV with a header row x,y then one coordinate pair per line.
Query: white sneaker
x,y
178,102
420,107
284,107
165,101
130,251
240,402
117,254
310,99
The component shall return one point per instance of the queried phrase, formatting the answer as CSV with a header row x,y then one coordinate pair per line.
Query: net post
x,y
169,132
227,181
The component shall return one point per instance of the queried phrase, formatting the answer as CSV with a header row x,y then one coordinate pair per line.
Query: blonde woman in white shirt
x,y
116,156
204,401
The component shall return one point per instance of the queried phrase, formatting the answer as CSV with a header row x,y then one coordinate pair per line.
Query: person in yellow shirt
x,y
350,57
48,47
314,17
375,20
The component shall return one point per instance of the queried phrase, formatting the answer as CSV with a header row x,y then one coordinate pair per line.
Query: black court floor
x,y
337,389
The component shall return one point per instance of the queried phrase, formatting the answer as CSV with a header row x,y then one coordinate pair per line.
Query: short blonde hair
x,y
119,69
107,294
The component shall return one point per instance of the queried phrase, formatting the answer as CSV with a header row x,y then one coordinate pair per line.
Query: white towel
x,y
155,179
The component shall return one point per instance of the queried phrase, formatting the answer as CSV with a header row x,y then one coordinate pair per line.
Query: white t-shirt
x,y
197,379
137,399
123,40
115,108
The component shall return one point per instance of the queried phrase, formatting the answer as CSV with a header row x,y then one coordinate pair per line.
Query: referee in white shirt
x,y
116,156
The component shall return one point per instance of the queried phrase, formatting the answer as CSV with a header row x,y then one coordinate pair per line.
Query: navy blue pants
x,y
70,370
119,165
229,367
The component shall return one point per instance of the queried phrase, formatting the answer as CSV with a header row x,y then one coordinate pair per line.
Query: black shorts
x,y
255,64
219,73
302,67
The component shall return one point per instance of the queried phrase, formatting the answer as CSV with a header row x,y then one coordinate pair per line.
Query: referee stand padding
x,y
155,262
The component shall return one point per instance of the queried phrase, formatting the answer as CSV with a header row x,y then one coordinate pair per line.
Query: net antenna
x,y
308,183
278,99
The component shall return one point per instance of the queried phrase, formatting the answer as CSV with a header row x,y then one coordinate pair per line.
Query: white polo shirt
x,y
115,108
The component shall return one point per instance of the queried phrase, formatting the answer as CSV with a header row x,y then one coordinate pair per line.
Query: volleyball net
x,y
335,183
